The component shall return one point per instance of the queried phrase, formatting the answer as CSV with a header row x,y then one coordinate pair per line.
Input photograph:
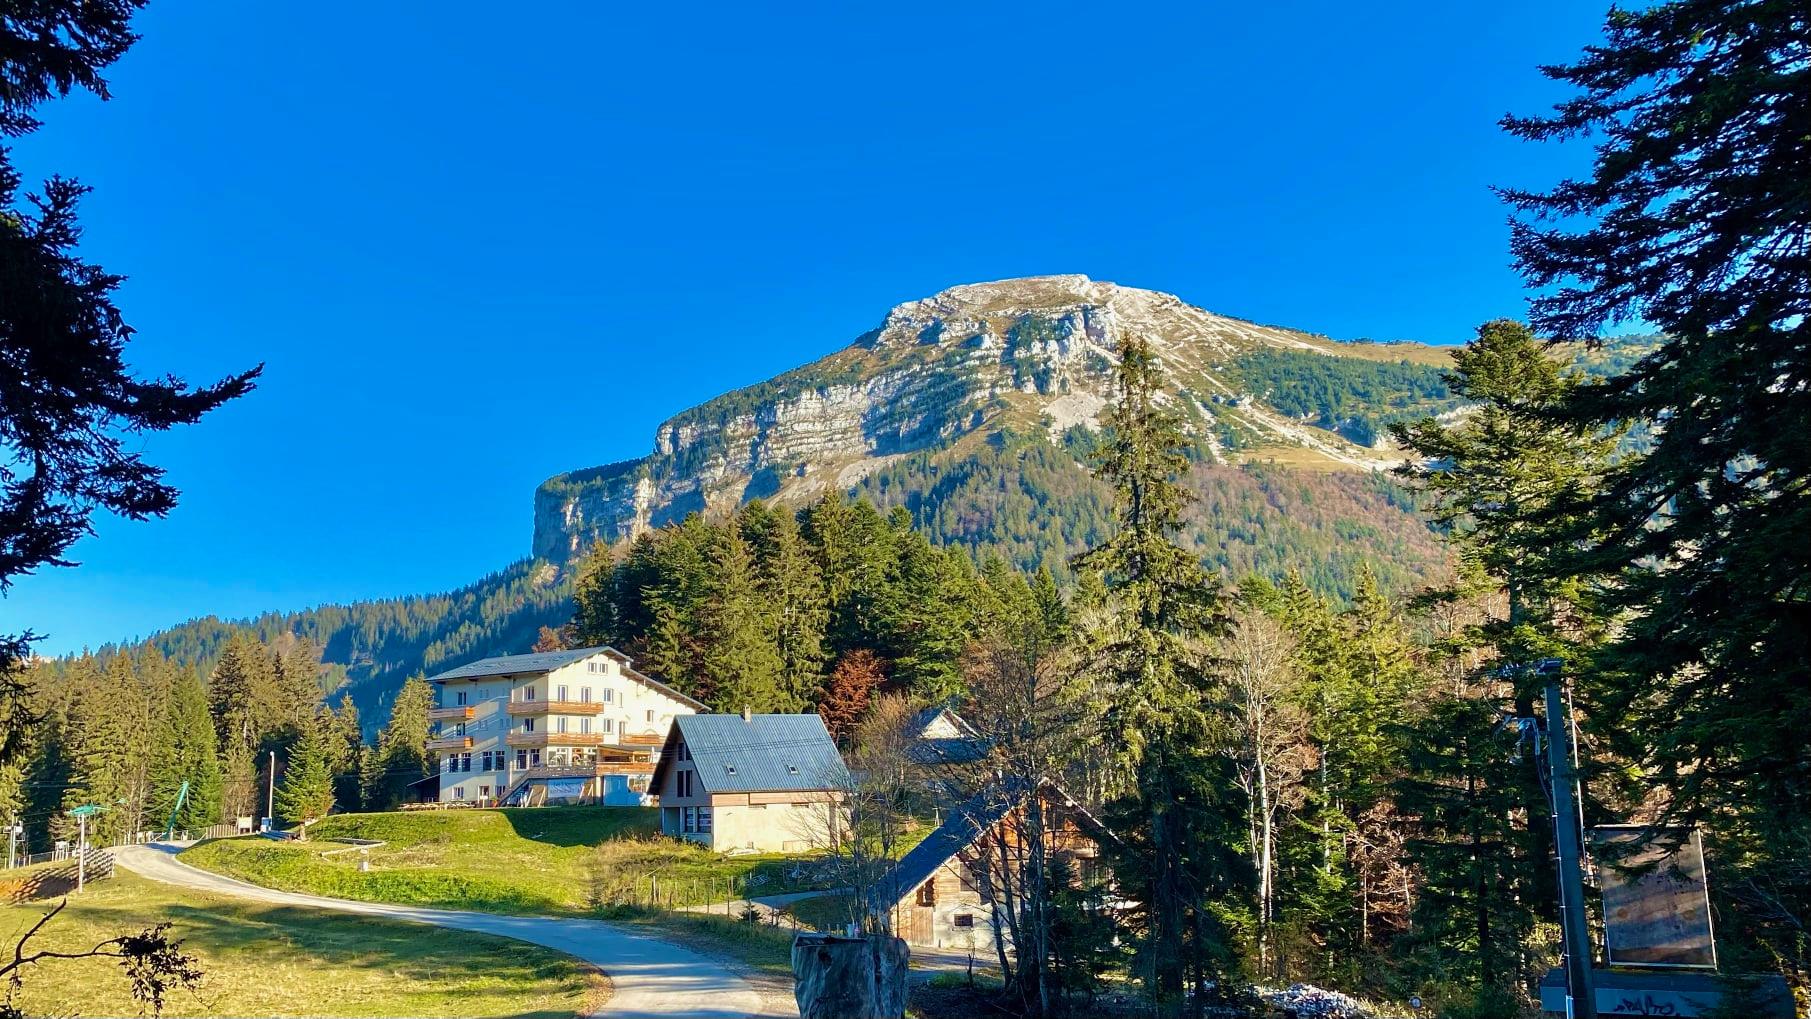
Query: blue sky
x,y
476,251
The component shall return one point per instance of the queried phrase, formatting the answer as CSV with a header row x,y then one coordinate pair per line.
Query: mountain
x,y
1002,385
975,409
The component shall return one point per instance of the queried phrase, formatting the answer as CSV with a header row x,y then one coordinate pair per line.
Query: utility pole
x,y
13,831
270,794
1581,995
81,814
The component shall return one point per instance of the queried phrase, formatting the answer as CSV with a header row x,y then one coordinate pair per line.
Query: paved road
x,y
652,978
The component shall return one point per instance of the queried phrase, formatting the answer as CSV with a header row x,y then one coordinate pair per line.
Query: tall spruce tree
x,y
69,405
790,583
1511,479
187,752
1695,219
741,662
346,752
306,792
1463,785
1151,642
401,756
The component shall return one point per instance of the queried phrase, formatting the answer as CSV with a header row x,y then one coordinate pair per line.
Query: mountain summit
x,y
1030,357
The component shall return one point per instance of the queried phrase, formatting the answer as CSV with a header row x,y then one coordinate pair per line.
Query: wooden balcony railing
x,y
462,713
559,739
556,707
450,743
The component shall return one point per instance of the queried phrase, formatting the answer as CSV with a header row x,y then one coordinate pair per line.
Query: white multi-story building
x,y
579,725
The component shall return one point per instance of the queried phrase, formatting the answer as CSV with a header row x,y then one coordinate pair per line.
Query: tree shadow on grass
x,y
580,826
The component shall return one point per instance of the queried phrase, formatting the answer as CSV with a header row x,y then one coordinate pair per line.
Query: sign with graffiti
x,y
1656,901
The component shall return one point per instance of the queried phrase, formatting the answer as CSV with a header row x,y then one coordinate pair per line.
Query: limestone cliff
x,y
1032,355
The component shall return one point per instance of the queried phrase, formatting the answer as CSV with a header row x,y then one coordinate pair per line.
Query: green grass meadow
x,y
548,861
263,960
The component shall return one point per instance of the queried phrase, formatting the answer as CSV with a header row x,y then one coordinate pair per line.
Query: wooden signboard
x,y
1656,901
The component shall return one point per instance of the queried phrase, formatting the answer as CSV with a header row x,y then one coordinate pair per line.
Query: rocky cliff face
x,y
1032,355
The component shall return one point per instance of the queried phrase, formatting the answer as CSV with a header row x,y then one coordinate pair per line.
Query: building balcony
x,y
585,770
450,743
557,707
558,739
462,713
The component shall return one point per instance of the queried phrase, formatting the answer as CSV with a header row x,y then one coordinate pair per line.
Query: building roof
x,y
509,665
940,736
547,661
757,753
964,826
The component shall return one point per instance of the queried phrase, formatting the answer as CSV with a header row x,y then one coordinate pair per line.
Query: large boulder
x,y
849,978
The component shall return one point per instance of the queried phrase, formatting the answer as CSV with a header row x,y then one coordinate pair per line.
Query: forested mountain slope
x,y
977,410
370,647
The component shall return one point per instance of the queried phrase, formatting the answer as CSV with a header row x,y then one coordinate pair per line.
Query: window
x,y
465,762
459,729
559,724
534,758
585,724
650,714
609,724
458,792
927,893
964,920
459,699
484,792
730,768
527,725
585,694
562,695
682,783
528,693
691,820
609,696
521,758
704,820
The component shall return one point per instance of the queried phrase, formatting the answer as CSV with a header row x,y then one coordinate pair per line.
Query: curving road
x,y
652,979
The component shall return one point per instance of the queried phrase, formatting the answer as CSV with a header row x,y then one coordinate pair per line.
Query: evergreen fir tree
x,y
187,752
1463,785
1694,219
741,663
346,752
240,693
1151,645
790,583
401,756
306,792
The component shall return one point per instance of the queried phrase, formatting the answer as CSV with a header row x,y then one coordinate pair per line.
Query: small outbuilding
x,y
943,892
751,783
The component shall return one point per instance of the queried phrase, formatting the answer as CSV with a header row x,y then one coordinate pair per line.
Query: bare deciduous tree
x,y
1273,750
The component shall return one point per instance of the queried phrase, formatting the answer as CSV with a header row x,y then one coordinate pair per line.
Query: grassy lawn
x,y
545,861
823,913
263,960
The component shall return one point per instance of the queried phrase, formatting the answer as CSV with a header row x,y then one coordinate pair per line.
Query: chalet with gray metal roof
x,y
751,783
